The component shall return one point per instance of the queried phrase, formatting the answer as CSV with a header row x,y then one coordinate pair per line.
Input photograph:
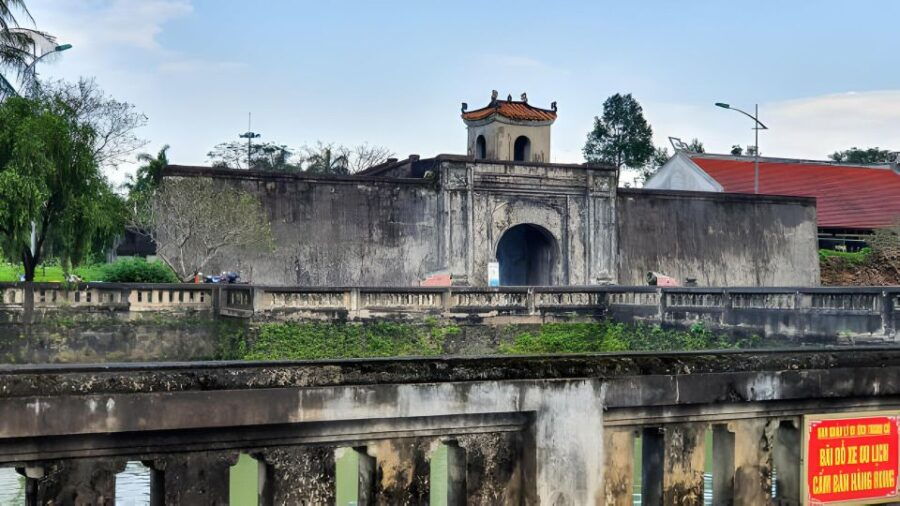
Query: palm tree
x,y
19,46
148,175
326,159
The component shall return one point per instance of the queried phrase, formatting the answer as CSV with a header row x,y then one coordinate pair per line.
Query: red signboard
x,y
852,459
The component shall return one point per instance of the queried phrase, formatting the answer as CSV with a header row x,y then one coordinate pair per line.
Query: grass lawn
x,y
11,272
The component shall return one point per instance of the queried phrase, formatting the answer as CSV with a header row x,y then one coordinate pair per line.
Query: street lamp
x,y
756,128
32,66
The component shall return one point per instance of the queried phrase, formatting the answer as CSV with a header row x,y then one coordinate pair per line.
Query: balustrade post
x,y
887,314
300,475
683,463
753,440
192,478
498,468
403,470
618,449
786,461
661,305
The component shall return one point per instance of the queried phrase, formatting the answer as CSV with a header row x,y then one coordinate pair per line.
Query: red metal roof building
x,y
850,199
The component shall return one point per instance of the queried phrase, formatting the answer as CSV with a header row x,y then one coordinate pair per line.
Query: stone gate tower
x,y
509,130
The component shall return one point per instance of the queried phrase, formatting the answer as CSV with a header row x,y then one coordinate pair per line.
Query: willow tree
x,y
52,190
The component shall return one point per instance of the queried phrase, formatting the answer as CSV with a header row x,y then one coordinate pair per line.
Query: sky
x,y
394,73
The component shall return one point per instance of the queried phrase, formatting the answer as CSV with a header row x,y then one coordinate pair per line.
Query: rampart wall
x,y
718,239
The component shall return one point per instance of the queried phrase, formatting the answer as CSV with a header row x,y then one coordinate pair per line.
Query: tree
x,y
657,160
19,46
737,150
149,175
862,156
696,146
363,156
263,156
192,220
50,180
621,137
113,121
145,181
327,159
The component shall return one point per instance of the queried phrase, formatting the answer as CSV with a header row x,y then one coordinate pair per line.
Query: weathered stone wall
x,y
718,239
337,231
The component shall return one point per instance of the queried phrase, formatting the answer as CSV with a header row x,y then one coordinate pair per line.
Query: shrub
x,y
138,270
854,258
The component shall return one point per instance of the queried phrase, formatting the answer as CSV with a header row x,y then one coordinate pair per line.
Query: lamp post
x,y
31,87
756,128
31,68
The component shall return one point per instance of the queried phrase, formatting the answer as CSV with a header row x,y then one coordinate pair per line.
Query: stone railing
x,y
561,430
808,313
29,302
811,313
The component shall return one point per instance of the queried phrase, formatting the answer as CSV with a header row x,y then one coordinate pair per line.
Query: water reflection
x,y
132,486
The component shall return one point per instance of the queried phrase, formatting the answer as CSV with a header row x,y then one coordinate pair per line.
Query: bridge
x,y
558,430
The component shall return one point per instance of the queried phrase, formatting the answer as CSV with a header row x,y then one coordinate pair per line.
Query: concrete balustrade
x,y
490,430
808,314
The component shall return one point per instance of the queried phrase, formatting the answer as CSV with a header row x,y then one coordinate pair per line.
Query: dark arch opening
x,y
527,256
522,149
480,148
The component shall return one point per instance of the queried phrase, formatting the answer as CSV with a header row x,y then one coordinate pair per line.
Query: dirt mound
x,y
875,271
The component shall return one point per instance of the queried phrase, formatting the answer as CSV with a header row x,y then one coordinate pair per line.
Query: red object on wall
x,y
852,459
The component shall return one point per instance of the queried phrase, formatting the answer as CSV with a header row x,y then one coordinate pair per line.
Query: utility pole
x,y
249,135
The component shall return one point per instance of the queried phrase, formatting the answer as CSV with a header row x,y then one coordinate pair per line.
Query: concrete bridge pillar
x,y
402,470
499,468
786,460
78,482
723,465
683,463
753,441
619,466
299,475
192,478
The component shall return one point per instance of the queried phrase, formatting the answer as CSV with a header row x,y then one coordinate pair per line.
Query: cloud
x,y
808,127
817,126
109,24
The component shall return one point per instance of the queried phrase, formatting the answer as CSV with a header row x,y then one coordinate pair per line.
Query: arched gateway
x,y
527,255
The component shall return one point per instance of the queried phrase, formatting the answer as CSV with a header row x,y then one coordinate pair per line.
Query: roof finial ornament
x,y
464,106
524,97
553,106
493,95
509,98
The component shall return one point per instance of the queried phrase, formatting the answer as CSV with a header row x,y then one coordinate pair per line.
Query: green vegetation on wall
x,y
610,336
340,340
311,341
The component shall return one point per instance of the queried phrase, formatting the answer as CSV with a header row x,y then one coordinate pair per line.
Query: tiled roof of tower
x,y
513,110
847,196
